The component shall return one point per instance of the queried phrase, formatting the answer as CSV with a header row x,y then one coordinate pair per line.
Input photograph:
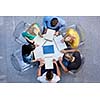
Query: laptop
x,y
48,52
48,49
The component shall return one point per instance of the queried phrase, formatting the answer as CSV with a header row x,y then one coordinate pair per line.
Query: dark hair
x,y
54,22
49,75
26,49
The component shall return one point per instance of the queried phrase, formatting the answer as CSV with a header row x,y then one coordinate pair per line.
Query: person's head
x,y
34,29
54,22
69,56
26,49
69,38
70,35
49,75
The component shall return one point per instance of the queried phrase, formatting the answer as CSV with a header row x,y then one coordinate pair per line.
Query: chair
x,y
20,27
18,63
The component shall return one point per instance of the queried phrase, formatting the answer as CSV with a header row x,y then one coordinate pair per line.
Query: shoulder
x,y
56,78
24,34
42,78
76,54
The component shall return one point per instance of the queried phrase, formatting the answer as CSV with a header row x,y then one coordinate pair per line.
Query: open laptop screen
x,y
49,49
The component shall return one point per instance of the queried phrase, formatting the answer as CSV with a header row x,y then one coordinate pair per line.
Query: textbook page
x,y
49,35
39,41
58,42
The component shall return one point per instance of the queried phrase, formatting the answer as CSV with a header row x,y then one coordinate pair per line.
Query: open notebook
x,y
48,62
60,46
38,52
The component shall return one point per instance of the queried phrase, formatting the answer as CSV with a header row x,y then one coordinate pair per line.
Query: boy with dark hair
x,y
71,60
54,23
27,53
48,75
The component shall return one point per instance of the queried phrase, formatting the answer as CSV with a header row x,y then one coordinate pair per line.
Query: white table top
x,y
38,52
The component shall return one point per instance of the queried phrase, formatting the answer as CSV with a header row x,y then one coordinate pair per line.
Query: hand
x,y
62,40
62,51
57,33
54,61
36,45
45,31
41,36
60,59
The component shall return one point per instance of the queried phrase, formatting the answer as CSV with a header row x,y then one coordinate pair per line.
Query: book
x,y
49,62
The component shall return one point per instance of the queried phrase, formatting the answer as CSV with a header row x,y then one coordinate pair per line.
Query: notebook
x,y
49,62
59,44
38,52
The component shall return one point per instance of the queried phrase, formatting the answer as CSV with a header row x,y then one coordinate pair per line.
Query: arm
x,y
39,34
45,20
63,24
68,51
39,72
34,60
62,65
58,70
39,69
30,41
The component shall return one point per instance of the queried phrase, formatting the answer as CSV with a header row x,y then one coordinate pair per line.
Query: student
x,y
31,33
27,53
71,60
54,23
72,38
48,75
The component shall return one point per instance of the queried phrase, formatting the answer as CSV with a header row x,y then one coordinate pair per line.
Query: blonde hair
x,y
34,27
75,37
71,31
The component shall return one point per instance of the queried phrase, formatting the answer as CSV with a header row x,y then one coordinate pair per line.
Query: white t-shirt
x,y
43,78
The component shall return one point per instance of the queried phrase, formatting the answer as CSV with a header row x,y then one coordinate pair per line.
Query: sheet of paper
x,y
57,53
38,52
58,43
49,35
48,63
40,41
